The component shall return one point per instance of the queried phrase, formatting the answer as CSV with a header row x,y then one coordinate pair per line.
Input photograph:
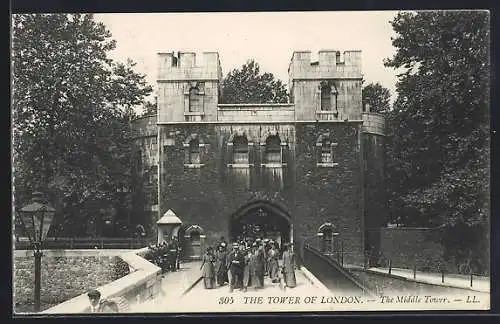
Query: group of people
x,y
246,263
166,255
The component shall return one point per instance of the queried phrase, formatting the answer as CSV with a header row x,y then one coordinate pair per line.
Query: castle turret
x,y
188,86
373,136
329,89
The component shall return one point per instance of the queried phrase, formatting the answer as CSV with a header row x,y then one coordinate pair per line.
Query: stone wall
x,y
209,193
376,209
63,277
176,76
145,177
344,69
330,194
406,247
255,112
143,283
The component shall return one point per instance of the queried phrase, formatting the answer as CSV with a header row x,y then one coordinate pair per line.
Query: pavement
x,y
184,292
479,283
173,286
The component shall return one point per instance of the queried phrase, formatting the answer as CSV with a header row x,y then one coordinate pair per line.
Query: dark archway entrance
x,y
261,220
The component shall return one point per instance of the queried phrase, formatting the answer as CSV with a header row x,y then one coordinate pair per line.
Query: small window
x,y
326,152
194,152
273,150
194,100
240,147
326,103
195,236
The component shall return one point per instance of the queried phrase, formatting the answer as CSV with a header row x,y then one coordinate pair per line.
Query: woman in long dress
x,y
208,270
256,267
247,269
289,266
273,264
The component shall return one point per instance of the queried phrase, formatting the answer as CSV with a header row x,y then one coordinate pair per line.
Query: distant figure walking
x,y
208,270
288,268
260,263
273,264
235,261
247,269
254,267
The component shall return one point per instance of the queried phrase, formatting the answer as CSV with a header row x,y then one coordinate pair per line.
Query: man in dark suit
x,y
235,262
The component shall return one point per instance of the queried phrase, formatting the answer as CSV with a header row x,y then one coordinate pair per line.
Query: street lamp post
x,y
36,218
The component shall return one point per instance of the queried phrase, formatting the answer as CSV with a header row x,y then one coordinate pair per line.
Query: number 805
x,y
226,300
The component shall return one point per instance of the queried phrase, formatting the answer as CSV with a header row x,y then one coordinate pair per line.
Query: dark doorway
x,y
261,220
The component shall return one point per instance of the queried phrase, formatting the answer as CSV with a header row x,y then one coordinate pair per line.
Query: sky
x,y
268,37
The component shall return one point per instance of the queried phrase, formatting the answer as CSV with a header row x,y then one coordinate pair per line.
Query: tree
x,y
149,109
71,109
247,85
377,97
438,150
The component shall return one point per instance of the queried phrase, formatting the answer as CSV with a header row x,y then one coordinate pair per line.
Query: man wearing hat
x,y
98,305
260,261
247,269
236,264
220,264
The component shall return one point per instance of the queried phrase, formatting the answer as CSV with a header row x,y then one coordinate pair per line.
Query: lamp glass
x,y
36,218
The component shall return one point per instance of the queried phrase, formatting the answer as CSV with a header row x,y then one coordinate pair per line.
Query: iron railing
x,y
68,243
415,268
327,265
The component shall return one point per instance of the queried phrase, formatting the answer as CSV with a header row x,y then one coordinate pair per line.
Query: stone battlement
x,y
331,64
187,65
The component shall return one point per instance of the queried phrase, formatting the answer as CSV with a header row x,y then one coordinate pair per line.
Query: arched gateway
x,y
261,219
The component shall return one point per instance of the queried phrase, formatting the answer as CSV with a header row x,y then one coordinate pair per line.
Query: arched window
x,y
240,147
273,149
194,152
326,151
194,100
326,102
328,233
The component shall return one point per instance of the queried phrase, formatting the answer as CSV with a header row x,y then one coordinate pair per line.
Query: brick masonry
x,y
63,277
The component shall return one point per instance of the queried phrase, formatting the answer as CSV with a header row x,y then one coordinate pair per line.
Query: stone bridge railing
x,y
328,270
143,283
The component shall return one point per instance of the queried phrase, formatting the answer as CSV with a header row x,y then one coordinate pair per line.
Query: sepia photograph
x,y
250,162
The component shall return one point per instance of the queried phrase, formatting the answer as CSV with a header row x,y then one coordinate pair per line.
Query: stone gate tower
x,y
284,171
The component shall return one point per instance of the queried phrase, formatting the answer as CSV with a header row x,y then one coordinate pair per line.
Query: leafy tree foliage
x,y
149,109
438,143
71,110
377,97
248,85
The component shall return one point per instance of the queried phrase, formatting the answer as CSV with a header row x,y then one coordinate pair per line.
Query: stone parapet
x,y
331,65
144,126
256,112
143,283
188,66
373,123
